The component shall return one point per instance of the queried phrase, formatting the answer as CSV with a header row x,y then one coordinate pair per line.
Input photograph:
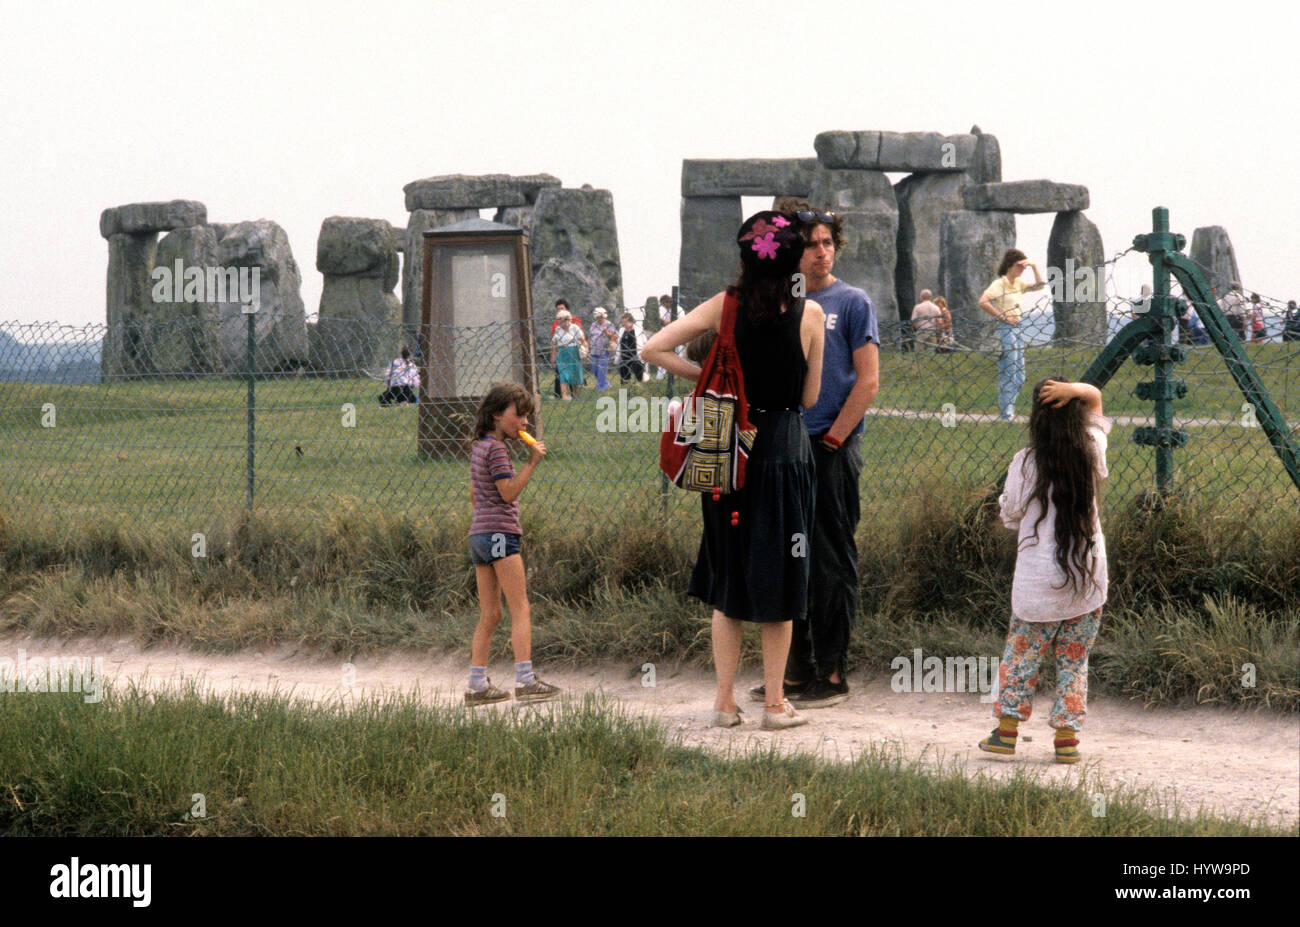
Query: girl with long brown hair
x,y
1051,498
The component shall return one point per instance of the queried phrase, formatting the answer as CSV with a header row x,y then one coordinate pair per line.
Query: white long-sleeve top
x,y
1040,590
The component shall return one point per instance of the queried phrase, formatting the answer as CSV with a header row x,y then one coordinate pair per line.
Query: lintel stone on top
x,y
476,191
144,218
895,151
748,176
1026,196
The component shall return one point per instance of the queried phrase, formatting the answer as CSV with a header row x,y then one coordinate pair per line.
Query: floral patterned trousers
x,y
1027,643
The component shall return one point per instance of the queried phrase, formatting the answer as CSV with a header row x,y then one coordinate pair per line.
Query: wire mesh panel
x,y
153,439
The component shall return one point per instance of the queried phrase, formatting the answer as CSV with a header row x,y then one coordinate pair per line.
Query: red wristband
x,y
834,442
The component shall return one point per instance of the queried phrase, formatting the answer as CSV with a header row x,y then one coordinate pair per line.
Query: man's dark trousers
x,y
819,642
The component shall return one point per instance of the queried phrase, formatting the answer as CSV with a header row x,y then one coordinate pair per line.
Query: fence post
x,y
251,355
1163,386
1147,340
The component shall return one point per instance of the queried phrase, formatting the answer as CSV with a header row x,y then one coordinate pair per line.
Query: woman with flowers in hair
x,y
753,563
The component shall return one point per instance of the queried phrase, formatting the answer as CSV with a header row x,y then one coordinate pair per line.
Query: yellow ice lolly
x,y
527,438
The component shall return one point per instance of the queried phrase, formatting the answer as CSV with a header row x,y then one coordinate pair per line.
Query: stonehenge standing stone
x,y
845,190
869,255
970,246
132,317
360,321
357,246
143,218
576,280
520,217
986,165
895,151
181,332
130,262
748,176
570,224
709,260
923,198
479,191
1212,250
866,204
1026,196
280,329
1074,252
413,264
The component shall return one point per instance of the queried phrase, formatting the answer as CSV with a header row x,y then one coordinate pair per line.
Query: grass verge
x,y
139,764
1200,592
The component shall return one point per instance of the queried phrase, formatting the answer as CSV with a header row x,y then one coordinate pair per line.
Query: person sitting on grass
x,y
1051,497
402,380
494,537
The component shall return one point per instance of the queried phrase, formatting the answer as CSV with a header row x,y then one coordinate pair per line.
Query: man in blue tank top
x,y
850,379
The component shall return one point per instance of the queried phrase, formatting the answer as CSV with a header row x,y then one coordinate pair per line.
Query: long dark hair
x,y
1065,461
498,399
762,298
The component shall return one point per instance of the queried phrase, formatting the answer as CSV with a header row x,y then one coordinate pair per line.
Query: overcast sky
x,y
296,111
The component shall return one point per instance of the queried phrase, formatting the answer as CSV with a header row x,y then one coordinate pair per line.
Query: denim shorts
x,y
486,548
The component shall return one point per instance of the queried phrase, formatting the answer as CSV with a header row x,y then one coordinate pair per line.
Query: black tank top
x,y
771,357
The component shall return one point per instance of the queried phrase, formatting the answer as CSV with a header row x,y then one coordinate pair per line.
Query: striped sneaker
x,y
486,695
1003,742
536,691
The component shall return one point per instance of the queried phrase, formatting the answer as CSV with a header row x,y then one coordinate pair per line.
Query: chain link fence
x,y
180,428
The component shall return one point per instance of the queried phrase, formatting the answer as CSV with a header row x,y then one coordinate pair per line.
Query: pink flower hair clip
x,y
766,246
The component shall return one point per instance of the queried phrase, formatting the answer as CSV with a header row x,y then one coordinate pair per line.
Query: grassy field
x,y
178,447
185,764
1196,590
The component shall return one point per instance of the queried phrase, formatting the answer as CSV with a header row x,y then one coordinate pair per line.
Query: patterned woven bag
x,y
707,442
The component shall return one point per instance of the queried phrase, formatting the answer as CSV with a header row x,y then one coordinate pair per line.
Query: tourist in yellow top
x,y
1002,301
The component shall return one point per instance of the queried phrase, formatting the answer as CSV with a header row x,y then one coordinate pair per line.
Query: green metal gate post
x,y
1157,352
1148,341
1239,365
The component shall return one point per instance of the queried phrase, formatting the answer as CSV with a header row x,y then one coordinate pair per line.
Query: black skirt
x,y
757,570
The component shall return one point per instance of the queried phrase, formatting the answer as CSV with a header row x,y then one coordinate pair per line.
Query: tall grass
x,y
140,764
935,574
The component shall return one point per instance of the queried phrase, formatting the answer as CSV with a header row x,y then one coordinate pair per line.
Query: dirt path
x,y
1228,761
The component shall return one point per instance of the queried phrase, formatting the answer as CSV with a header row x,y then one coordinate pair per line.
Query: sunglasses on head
x,y
811,215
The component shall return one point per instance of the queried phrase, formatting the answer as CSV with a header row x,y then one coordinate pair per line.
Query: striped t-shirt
x,y
489,462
